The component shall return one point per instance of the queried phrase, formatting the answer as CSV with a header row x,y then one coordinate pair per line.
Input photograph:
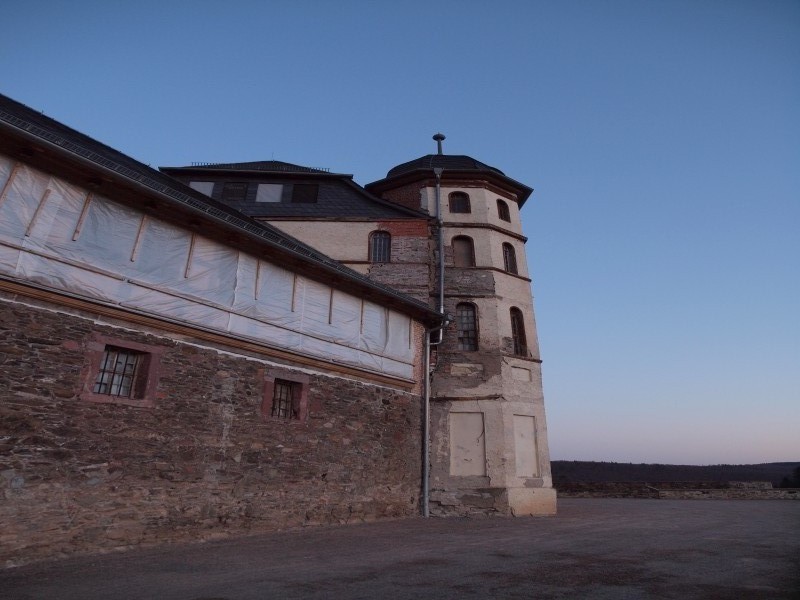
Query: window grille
x,y
502,211
117,373
459,203
509,258
283,400
463,251
518,332
467,326
380,247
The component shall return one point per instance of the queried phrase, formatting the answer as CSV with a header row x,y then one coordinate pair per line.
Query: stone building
x,y
489,437
211,350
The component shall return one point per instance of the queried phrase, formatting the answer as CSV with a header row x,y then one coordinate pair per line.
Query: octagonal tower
x,y
488,429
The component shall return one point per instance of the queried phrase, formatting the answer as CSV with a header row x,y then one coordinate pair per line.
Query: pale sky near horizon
x,y
662,139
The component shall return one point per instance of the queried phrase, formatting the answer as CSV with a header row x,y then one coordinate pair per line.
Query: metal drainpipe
x,y
426,442
426,427
438,173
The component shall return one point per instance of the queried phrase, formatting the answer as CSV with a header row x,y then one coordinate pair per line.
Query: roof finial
x,y
439,139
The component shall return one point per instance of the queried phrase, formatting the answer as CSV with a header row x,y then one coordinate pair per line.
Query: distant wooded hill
x,y
578,471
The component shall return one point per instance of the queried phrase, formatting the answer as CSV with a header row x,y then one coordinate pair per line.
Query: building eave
x,y
101,169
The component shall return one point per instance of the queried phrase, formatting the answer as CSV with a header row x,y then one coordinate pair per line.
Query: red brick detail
x,y
415,228
408,195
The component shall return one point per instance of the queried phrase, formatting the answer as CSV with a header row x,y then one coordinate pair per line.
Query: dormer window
x,y
234,191
459,203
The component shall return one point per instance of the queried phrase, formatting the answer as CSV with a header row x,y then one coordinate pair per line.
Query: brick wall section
x,y
407,195
410,270
78,476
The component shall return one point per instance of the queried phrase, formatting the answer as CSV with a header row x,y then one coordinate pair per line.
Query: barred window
x,y
502,211
380,247
509,258
284,404
459,203
463,251
117,374
518,332
467,324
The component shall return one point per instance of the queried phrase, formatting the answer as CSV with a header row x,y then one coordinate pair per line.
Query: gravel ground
x,y
594,548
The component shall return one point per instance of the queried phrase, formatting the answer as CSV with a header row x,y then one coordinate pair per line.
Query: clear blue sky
x,y
662,139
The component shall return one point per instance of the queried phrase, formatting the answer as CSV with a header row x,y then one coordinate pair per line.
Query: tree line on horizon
x,y
781,474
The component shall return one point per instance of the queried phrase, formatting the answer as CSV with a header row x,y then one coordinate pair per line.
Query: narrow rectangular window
x,y
466,322
509,258
283,405
518,332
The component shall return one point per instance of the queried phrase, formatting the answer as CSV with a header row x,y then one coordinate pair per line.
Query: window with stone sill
x,y
120,372
285,396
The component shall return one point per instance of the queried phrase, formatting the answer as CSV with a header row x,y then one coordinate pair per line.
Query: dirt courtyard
x,y
594,548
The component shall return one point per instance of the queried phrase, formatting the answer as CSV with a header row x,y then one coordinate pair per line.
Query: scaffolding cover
x,y
63,237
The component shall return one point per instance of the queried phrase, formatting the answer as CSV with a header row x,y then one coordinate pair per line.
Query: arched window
x,y
518,332
380,247
509,258
463,251
459,203
502,211
467,323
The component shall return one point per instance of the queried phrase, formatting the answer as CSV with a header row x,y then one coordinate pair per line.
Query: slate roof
x,y
54,147
269,166
455,167
445,161
339,196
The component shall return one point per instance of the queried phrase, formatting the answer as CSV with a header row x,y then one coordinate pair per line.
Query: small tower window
x,y
380,247
509,258
463,251
467,323
518,332
502,211
459,203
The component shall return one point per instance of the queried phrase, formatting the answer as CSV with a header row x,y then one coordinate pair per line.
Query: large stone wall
x,y
202,462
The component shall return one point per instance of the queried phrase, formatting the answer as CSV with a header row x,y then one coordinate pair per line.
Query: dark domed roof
x,y
449,162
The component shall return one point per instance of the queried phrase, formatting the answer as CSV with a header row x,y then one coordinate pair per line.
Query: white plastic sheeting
x,y
58,235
